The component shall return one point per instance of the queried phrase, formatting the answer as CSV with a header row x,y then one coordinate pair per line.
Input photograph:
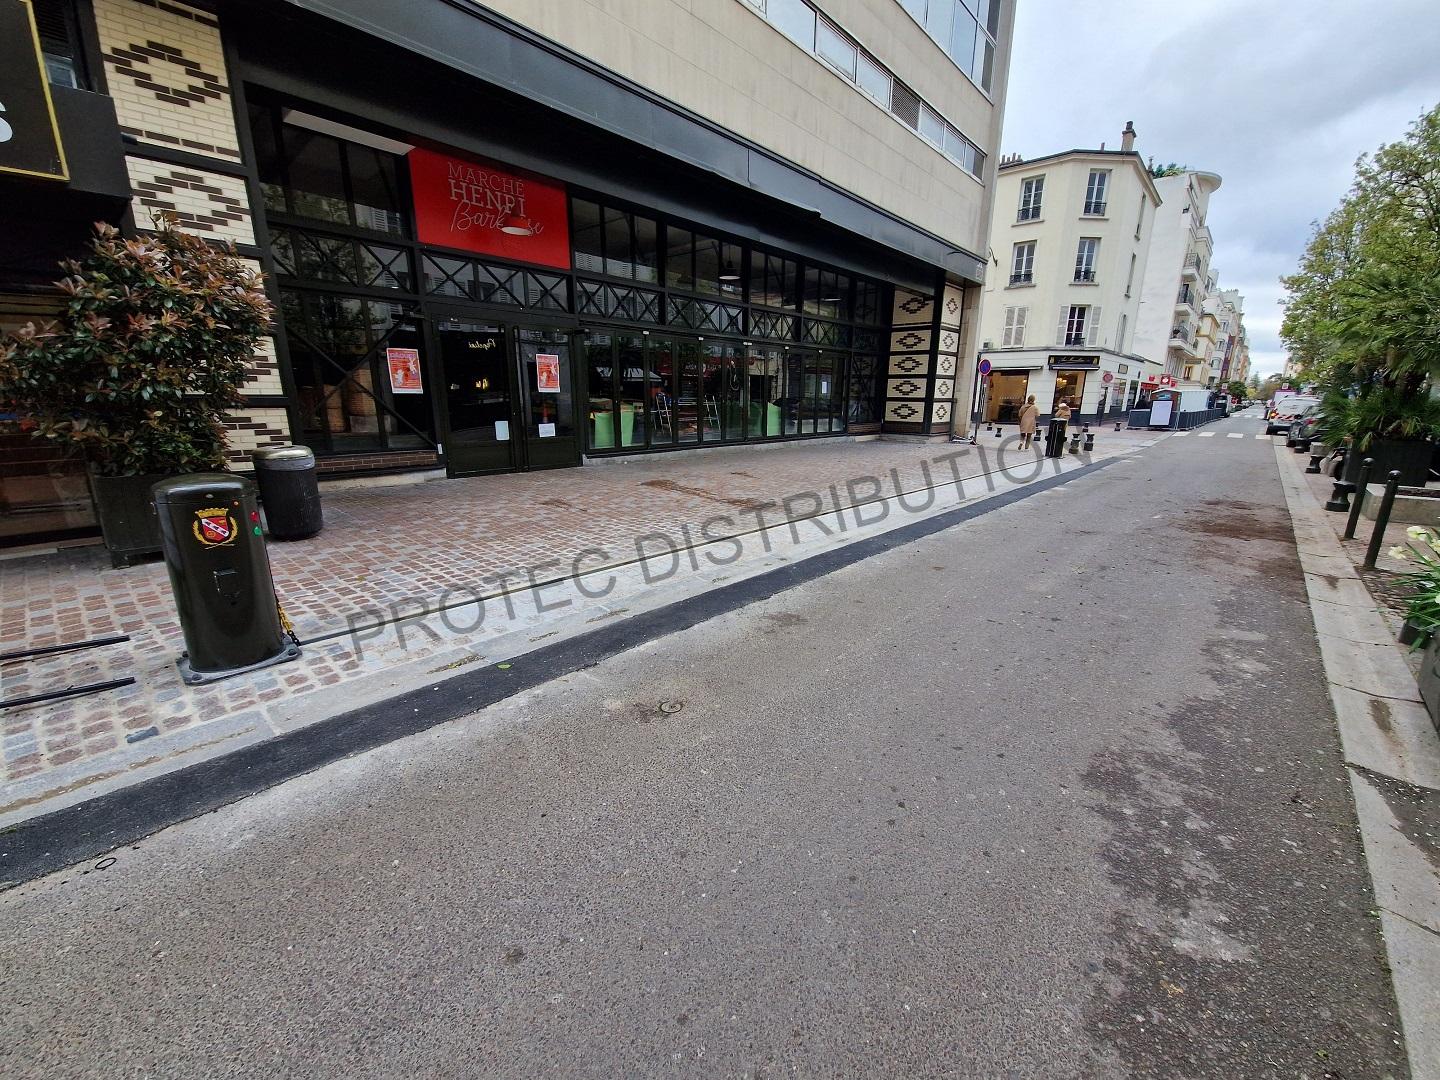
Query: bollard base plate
x,y
191,677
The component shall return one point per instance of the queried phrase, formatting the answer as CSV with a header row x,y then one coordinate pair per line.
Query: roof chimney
x,y
1127,137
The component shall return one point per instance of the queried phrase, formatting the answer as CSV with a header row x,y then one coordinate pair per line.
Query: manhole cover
x,y
670,708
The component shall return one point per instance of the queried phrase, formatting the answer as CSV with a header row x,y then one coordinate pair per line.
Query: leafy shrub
x,y
148,355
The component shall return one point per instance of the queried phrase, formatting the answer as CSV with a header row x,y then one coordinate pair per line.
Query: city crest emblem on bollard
x,y
215,527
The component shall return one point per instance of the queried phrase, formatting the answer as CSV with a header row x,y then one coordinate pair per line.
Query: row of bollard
x,y
1340,501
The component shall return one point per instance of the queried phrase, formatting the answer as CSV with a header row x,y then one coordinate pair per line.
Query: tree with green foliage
x,y
148,355
1362,310
1238,390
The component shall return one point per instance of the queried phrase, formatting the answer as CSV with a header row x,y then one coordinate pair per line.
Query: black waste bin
x,y
1055,438
220,575
289,491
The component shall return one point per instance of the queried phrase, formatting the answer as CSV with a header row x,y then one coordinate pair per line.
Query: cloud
x,y
1278,98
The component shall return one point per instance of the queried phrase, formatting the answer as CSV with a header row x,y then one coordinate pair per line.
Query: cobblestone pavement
x,y
385,551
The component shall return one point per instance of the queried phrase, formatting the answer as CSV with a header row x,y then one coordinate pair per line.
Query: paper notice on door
x,y
547,373
502,430
547,431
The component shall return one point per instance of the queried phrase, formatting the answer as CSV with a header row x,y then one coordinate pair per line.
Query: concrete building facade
x,y
667,225
1069,248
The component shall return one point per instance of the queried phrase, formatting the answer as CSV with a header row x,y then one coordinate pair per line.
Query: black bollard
x,y
1089,441
1075,443
1361,486
1340,497
1382,518
1117,427
1314,466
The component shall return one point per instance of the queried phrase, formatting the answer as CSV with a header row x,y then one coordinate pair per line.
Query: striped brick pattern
x,y
206,203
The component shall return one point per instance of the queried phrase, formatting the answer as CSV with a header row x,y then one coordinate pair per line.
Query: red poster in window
x,y
475,206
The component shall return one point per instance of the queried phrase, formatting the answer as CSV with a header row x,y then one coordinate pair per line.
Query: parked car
x,y
1302,429
1285,412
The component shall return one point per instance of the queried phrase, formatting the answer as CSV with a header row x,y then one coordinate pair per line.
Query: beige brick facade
x,y
209,204
254,427
166,71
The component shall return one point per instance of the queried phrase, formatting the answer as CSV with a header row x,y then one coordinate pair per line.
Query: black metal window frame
x,y
841,401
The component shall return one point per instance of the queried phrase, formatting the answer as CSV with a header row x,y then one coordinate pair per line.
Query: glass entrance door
x,y
480,422
544,355
509,395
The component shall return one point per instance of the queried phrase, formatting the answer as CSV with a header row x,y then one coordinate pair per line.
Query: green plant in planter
x,y
1422,610
148,355
1381,412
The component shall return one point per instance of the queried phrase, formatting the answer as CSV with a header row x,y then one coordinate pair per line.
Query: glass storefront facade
x,y
659,334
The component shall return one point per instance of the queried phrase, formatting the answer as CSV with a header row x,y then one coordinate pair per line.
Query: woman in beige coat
x,y
1029,414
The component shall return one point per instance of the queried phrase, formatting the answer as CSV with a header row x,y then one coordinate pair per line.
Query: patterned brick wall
x,y
907,382
206,203
165,65
258,427
166,71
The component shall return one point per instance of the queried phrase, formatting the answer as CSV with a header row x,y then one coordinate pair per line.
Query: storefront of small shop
x,y
1097,386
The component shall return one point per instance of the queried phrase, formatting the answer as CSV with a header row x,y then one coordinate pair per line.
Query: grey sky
x,y
1277,96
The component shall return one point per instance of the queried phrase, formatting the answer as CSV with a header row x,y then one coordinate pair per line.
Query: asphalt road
x,y
1056,793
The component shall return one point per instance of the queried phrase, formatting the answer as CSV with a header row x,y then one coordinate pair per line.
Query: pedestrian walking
x,y
1029,414
1062,411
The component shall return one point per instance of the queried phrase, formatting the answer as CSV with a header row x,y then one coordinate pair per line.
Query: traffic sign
x,y
1108,377
984,367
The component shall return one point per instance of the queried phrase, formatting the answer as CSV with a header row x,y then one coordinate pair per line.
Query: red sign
x,y
1167,380
478,207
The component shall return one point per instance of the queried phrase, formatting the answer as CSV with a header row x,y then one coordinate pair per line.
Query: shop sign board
x,y
1074,363
29,136
404,367
475,206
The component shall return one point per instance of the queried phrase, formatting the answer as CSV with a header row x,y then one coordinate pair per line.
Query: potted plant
x,y
1394,427
1422,612
137,373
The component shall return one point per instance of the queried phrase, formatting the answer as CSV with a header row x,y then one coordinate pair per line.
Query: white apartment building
x,y
1177,323
1069,247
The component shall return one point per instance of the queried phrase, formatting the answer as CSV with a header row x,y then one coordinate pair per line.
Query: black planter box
x,y
127,516
1410,456
1430,679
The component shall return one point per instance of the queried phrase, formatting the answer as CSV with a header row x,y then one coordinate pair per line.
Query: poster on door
x,y
547,373
404,367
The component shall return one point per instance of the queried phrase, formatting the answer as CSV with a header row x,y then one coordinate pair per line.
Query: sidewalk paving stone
x,y
388,550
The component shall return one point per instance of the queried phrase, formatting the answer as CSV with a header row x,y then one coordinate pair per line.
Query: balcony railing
x,y
1183,333
1191,264
1075,338
1086,276
1028,213
1022,278
1187,296
1094,209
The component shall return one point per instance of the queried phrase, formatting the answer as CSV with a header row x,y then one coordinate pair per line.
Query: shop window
x,y
341,355
703,264
614,242
1069,388
863,391
773,281
869,302
310,174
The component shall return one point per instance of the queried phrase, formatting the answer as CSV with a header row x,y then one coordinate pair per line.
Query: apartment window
x,y
1085,254
965,30
1014,335
1022,264
835,49
795,19
1032,192
60,43
1095,189
1078,324
814,33
1130,277
873,79
1140,220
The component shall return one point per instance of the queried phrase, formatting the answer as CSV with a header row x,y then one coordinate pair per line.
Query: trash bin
x,y
289,491
220,575
1055,438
